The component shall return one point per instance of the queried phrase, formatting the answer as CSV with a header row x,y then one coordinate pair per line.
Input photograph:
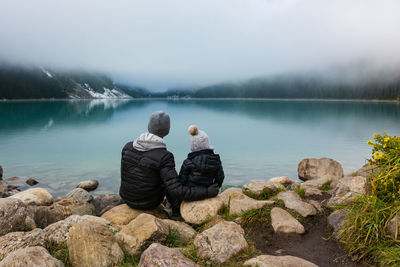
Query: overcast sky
x,y
160,44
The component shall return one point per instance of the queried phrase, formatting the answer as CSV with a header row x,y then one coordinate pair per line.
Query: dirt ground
x,y
316,245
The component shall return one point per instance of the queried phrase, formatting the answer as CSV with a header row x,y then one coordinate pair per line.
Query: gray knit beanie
x,y
198,139
159,123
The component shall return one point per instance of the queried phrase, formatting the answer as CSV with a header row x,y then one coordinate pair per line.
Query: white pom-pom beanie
x,y
198,139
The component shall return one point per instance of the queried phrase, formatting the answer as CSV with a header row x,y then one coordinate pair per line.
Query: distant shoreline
x,y
205,99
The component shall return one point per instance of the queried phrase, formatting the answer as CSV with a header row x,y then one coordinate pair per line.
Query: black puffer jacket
x,y
202,168
147,175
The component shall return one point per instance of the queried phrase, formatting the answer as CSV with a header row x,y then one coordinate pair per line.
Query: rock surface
x,y
57,233
14,216
106,202
283,222
241,203
226,196
3,189
31,181
30,256
336,219
80,195
394,226
186,233
89,185
311,191
278,261
257,186
348,188
46,215
123,214
294,202
141,232
35,196
198,212
283,181
162,256
92,243
16,240
312,168
220,242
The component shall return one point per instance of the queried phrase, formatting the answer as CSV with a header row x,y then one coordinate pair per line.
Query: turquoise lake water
x,y
63,142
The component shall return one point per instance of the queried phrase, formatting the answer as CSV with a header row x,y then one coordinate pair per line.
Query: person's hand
x,y
212,190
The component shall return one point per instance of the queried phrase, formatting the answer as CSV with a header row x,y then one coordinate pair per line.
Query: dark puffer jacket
x,y
202,168
147,175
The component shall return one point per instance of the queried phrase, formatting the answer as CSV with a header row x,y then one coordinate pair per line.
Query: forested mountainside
x,y
298,87
22,82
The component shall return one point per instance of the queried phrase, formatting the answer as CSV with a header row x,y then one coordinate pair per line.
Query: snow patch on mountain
x,y
47,73
108,93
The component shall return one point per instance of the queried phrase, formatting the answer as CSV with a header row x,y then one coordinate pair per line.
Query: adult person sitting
x,y
148,170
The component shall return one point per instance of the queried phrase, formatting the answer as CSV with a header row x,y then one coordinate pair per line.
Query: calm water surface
x,y
63,142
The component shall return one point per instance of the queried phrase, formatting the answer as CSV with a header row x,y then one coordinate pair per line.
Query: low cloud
x,y
160,44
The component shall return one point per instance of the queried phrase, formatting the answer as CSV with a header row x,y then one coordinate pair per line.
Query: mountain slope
x,y
22,82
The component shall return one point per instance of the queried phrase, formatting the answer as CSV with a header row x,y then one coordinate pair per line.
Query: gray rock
x,y
336,219
348,188
16,240
198,212
186,233
31,181
35,196
394,226
46,215
162,256
278,261
312,168
92,243
283,222
80,195
3,189
89,185
30,256
220,242
14,216
106,202
294,202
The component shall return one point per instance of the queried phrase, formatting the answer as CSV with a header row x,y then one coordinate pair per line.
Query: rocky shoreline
x,y
275,222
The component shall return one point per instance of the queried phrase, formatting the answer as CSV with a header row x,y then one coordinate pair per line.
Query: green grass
x,y
363,233
60,252
224,213
326,186
266,193
174,239
300,191
129,261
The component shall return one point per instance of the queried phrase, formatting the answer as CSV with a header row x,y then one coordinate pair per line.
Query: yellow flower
x,y
384,145
375,136
370,142
386,139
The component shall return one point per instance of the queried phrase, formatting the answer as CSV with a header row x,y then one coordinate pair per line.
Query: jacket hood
x,y
148,141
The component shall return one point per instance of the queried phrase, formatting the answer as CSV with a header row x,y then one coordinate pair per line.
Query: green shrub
x,y
326,186
265,194
300,191
174,239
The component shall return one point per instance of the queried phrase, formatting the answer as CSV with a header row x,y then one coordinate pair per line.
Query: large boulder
x,y
16,240
226,196
106,202
241,203
30,256
198,212
46,215
76,207
220,242
162,256
88,185
348,188
282,181
278,261
56,233
294,202
35,196
312,168
123,214
186,233
14,216
80,195
283,222
141,232
92,243
258,186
